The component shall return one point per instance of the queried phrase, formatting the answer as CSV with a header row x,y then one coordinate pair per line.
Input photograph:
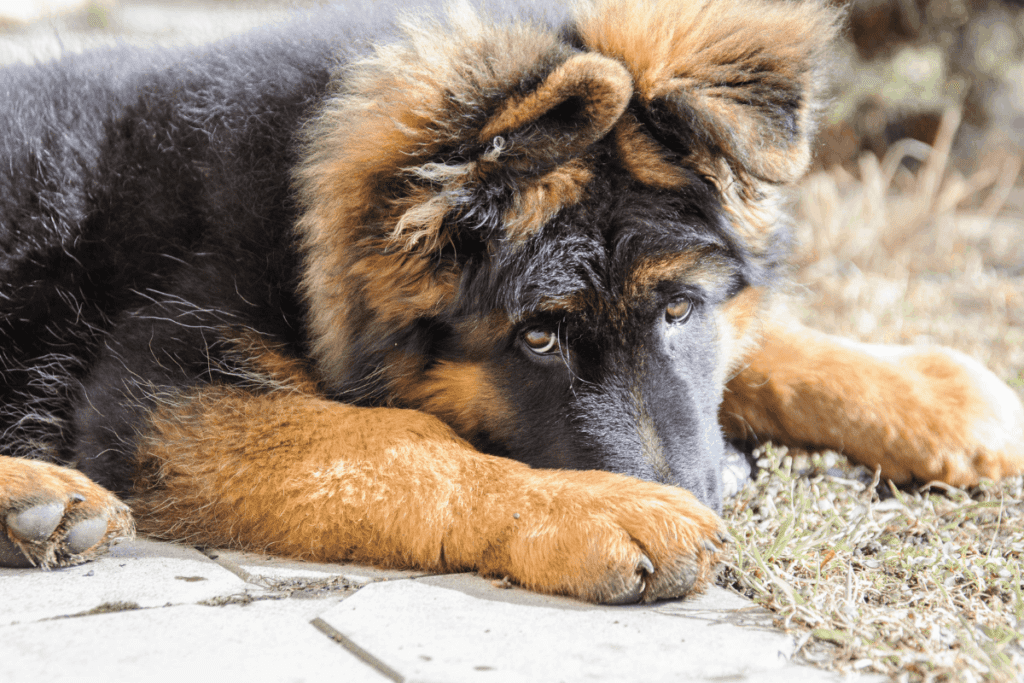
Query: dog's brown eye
x,y
541,341
678,311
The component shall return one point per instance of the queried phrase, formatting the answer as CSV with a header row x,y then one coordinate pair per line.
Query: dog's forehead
x,y
616,248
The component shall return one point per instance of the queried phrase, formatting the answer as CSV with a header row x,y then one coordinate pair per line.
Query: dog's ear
x,y
521,166
532,144
575,105
737,81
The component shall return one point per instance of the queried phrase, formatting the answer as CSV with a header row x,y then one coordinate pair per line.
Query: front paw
x,y
52,516
610,539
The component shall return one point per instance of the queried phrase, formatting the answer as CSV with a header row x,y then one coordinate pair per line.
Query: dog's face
x,y
597,342
556,241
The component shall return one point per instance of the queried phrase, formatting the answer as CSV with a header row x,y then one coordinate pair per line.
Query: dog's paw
x,y
992,444
612,539
961,422
52,516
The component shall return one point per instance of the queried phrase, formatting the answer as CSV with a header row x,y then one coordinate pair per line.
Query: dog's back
x,y
129,173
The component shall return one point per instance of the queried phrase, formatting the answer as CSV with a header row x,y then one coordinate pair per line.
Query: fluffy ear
x,y
727,88
736,80
534,140
520,166
572,107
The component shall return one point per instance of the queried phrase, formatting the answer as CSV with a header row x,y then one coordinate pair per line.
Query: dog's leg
x,y
52,516
919,413
297,475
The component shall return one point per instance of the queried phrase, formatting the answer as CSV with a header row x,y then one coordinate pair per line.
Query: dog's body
x,y
296,294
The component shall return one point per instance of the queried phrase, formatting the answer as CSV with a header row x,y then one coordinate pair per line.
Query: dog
x,y
481,290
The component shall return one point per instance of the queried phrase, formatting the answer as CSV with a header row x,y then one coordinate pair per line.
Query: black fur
x,y
145,201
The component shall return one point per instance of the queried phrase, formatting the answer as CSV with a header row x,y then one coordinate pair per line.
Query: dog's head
x,y
557,240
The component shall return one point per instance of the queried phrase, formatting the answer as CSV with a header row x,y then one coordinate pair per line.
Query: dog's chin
x,y
703,476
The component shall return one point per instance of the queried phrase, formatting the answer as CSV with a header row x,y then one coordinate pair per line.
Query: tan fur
x,y
464,396
644,158
461,393
739,324
311,478
739,331
720,57
270,366
27,483
542,198
699,267
402,286
926,414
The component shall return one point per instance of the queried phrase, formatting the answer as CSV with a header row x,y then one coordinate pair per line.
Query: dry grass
x,y
930,257
924,584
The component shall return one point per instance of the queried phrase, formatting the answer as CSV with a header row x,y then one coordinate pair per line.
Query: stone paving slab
x,y
244,616
142,572
270,570
177,643
446,635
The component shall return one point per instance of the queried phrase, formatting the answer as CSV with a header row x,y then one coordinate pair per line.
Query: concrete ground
x,y
150,611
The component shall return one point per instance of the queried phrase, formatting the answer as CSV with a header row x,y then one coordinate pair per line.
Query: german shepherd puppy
x,y
485,291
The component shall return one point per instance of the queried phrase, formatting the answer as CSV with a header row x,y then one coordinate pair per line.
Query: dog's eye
x,y
541,341
678,311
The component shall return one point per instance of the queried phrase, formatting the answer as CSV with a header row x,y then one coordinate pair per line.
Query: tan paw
x,y
612,539
973,425
52,516
917,413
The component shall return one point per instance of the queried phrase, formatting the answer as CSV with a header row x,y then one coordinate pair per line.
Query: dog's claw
x,y
709,546
725,537
631,596
634,593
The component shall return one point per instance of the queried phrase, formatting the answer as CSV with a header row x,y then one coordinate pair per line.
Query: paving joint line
x,y
232,567
363,655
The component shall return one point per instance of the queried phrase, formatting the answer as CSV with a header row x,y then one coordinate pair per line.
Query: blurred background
x,y
911,222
